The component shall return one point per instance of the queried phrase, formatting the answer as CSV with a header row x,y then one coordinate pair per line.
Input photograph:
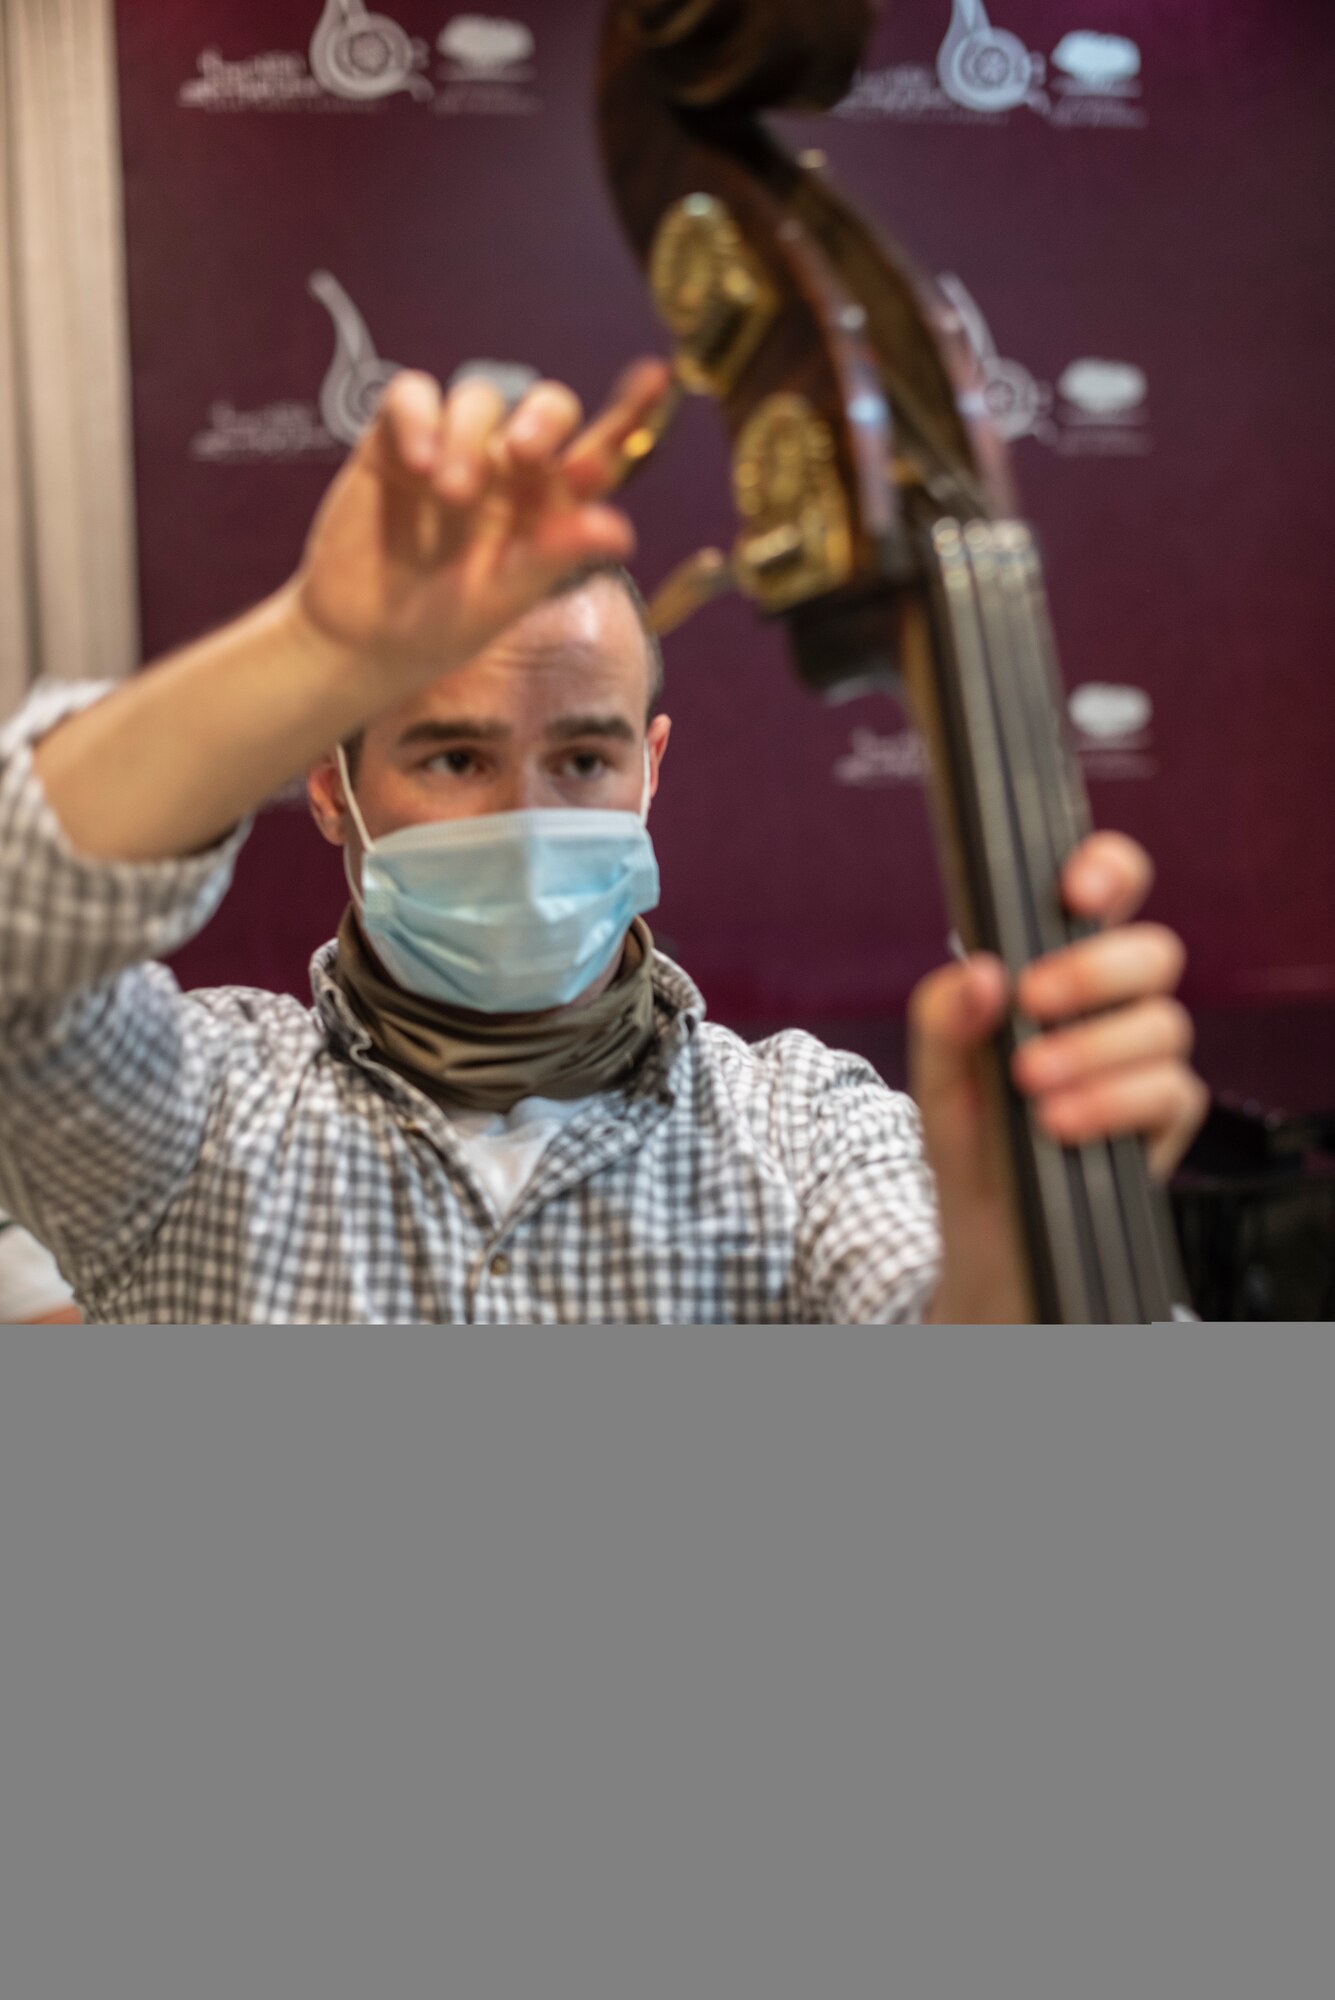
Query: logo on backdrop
x,y
1098,410
356,377
1017,403
1111,724
353,384
873,761
277,431
985,68
294,430
983,73
480,45
357,54
358,58
488,68
1111,734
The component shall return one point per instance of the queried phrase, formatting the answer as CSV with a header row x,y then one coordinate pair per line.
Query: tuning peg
x,y
650,434
690,586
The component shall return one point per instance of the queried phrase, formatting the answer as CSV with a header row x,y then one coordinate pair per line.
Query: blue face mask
x,y
504,913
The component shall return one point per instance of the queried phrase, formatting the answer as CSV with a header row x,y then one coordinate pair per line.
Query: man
x,y
505,1107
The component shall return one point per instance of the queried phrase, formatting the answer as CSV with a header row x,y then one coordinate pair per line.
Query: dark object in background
x,y
1254,1202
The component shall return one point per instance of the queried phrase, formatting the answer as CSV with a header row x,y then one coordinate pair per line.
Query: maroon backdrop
x,y
1128,195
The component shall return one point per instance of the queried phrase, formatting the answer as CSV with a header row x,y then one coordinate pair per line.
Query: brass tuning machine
x,y
712,292
715,301
796,538
689,587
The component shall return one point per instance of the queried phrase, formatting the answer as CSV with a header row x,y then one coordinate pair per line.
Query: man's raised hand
x,y
450,519
453,517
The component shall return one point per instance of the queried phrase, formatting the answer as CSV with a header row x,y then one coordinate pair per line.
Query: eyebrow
x,y
568,727
462,730
466,729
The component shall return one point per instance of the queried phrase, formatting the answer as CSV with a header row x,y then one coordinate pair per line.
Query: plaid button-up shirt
x,y
234,1156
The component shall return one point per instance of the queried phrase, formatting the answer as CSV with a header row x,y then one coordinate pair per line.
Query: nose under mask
x,y
511,912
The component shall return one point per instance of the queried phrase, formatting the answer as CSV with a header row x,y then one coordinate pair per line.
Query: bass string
x,y
1053,1196
1047,787
1144,1206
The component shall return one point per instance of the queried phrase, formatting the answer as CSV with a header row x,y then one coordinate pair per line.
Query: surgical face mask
x,y
504,913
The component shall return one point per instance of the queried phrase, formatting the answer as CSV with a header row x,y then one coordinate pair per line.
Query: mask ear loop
x,y
644,795
358,822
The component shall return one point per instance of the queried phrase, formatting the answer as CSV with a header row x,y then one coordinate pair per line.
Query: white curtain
x,y
68,590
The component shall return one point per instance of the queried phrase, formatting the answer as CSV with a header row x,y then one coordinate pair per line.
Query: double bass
x,y
878,522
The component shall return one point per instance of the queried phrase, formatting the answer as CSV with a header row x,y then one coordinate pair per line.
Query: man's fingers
x,y
408,421
1146,1031
583,534
1107,878
460,440
470,420
951,1014
541,426
1130,963
1164,1102
595,463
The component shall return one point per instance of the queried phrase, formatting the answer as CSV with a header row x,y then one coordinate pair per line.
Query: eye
x,y
586,763
458,763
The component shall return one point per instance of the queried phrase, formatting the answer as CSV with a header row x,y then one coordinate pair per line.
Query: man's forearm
x,y
169,762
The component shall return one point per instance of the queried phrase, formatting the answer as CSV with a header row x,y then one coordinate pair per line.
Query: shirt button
x,y
500,1266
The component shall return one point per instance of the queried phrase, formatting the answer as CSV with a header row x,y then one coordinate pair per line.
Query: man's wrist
x,y
349,680
973,1297
358,681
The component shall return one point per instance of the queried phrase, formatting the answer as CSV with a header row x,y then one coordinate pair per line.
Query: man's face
x,y
552,714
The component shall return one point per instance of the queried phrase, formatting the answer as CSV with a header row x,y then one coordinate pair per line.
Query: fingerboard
x,y
1011,804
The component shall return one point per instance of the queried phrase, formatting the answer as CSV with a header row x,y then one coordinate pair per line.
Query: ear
x,y
656,736
324,791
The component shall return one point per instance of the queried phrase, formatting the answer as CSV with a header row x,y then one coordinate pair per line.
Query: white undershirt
x,y
503,1148
30,1284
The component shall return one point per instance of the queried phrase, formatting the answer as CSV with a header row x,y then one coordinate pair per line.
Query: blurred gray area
x,y
618,1664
